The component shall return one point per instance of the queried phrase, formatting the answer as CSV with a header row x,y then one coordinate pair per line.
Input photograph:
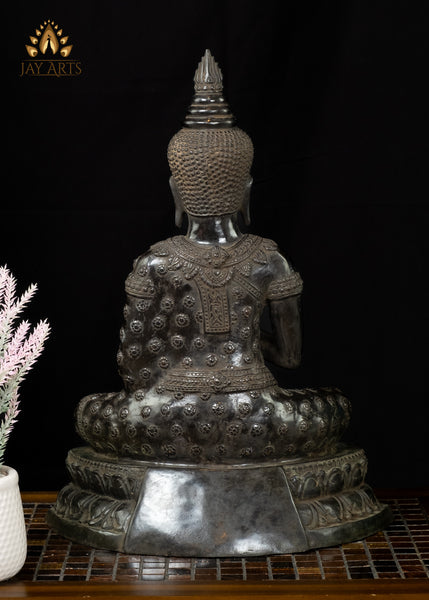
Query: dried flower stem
x,y
19,350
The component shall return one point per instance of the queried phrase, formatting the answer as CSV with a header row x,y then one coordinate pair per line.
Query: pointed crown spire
x,y
208,107
208,76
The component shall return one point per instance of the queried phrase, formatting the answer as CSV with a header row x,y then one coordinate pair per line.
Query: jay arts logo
x,y
49,53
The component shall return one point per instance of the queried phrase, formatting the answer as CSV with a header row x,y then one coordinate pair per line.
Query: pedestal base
x,y
216,510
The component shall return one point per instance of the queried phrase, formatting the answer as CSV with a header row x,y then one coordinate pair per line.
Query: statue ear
x,y
177,202
245,210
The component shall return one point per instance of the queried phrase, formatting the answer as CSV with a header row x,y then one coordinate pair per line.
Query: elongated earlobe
x,y
245,206
177,202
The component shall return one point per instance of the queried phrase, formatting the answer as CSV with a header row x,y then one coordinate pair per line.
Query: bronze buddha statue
x,y
200,413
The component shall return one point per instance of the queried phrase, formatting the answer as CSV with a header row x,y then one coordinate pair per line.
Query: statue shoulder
x,y
140,282
269,245
164,247
279,265
285,280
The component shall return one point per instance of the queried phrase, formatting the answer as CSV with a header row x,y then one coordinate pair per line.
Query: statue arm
x,y
140,291
282,346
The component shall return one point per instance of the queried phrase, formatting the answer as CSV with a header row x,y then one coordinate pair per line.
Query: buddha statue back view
x,y
202,453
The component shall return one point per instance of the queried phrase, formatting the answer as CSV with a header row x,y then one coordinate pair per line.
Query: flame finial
x,y
208,108
208,76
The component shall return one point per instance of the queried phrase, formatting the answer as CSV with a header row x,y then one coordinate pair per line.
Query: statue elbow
x,y
293,363
289,362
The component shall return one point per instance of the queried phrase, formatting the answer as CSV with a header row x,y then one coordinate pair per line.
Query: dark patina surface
x,y
202,453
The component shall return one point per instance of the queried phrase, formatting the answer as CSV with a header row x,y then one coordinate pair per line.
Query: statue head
x,y
209,157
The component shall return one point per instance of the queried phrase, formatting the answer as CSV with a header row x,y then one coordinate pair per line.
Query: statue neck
x,y
214,230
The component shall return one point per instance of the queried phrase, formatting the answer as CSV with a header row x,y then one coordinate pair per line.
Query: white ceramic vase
x,y
13,538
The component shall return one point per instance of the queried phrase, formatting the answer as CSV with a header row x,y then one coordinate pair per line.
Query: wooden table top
x,y
393,564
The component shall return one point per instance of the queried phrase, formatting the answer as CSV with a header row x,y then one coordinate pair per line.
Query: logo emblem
x,y
49,53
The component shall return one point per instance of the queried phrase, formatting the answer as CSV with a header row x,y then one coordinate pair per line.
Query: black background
x,y
334,96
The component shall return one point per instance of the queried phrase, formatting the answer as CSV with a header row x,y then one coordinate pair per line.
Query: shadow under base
x,y
167,509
